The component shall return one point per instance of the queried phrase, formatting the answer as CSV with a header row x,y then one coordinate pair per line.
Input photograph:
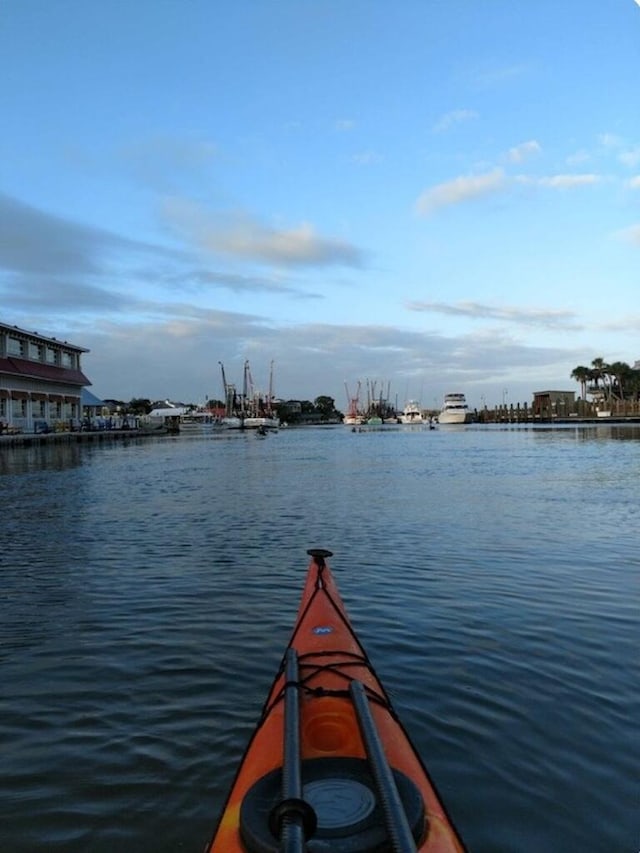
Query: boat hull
x,y
261,423
453,417
330,658
454,410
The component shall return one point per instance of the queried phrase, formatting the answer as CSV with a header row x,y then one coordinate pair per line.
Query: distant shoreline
x,y
110,436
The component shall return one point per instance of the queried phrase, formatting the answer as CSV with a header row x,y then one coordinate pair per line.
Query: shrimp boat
x,y
249,409
329,767
354,416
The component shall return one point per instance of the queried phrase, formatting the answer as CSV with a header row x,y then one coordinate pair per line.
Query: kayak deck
x,y
329,766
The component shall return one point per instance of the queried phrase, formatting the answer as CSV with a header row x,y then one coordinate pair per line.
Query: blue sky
x,y
440,195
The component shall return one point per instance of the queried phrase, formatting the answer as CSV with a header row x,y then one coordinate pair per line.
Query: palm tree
x,y
600,372
620,371
582,375
632,384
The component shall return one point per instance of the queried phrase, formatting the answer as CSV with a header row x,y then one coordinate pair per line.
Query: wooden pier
x,y
30,439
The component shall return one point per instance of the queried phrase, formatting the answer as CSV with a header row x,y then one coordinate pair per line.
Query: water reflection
x,y
41,457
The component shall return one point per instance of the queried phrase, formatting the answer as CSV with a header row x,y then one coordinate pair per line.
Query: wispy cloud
x,y
209,279
524,151
634,183
344,125
609,140
630,235
492,77
560,182
630,157
460,190
480,311
450,119
245,237
366,158
626,153
578,157
564,182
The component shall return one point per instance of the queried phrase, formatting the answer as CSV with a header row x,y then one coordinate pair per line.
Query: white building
x,y
41,382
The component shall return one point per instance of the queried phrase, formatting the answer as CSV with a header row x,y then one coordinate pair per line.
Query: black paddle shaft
x,y
395,817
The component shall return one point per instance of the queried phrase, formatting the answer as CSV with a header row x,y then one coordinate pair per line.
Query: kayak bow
x,y
329,767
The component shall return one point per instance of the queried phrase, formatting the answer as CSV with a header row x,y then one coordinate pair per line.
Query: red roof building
x,y
41,381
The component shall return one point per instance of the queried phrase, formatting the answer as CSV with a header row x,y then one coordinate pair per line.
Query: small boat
x,y
412,413
198,423
329,766
454,410
261,422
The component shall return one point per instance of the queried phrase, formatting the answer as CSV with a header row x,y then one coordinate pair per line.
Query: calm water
x,y
147,592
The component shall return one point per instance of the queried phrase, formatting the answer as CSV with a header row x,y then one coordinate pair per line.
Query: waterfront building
x,y
548,404
41,382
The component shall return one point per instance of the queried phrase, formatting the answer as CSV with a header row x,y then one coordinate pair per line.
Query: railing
x,y
544,411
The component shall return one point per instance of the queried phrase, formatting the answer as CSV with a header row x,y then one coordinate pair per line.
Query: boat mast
x,y
243,407
353,402
270,397
228,400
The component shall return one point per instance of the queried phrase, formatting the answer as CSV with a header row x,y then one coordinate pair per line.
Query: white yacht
x,y
412,414
454,410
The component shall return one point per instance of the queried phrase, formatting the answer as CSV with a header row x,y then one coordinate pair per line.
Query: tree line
x,y
615,381
323,407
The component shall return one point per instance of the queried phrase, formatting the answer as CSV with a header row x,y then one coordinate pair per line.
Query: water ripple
x,y
148,590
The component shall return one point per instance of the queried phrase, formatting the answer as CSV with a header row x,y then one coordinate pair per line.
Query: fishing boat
x,y
329,767
250,409
454,410
412,413
354,416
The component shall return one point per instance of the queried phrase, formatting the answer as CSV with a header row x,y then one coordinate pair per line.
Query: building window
x,y
15,347
52,355
67,359
35,351
3,408
18,408
39,410
55,410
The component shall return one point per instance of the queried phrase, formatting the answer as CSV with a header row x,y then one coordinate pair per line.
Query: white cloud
x,y
459,190
563,182
345,124
452,118
578,157
634,183
630,157
631,235
366,158
546,318
609,140
524,151
245,237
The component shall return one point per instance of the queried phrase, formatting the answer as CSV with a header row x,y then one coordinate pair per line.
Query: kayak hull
x,y
330,657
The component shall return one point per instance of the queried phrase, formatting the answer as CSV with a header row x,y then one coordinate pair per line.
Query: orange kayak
x,y
329,767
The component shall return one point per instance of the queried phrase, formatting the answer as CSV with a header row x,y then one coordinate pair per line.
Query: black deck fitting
x,y
319,554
